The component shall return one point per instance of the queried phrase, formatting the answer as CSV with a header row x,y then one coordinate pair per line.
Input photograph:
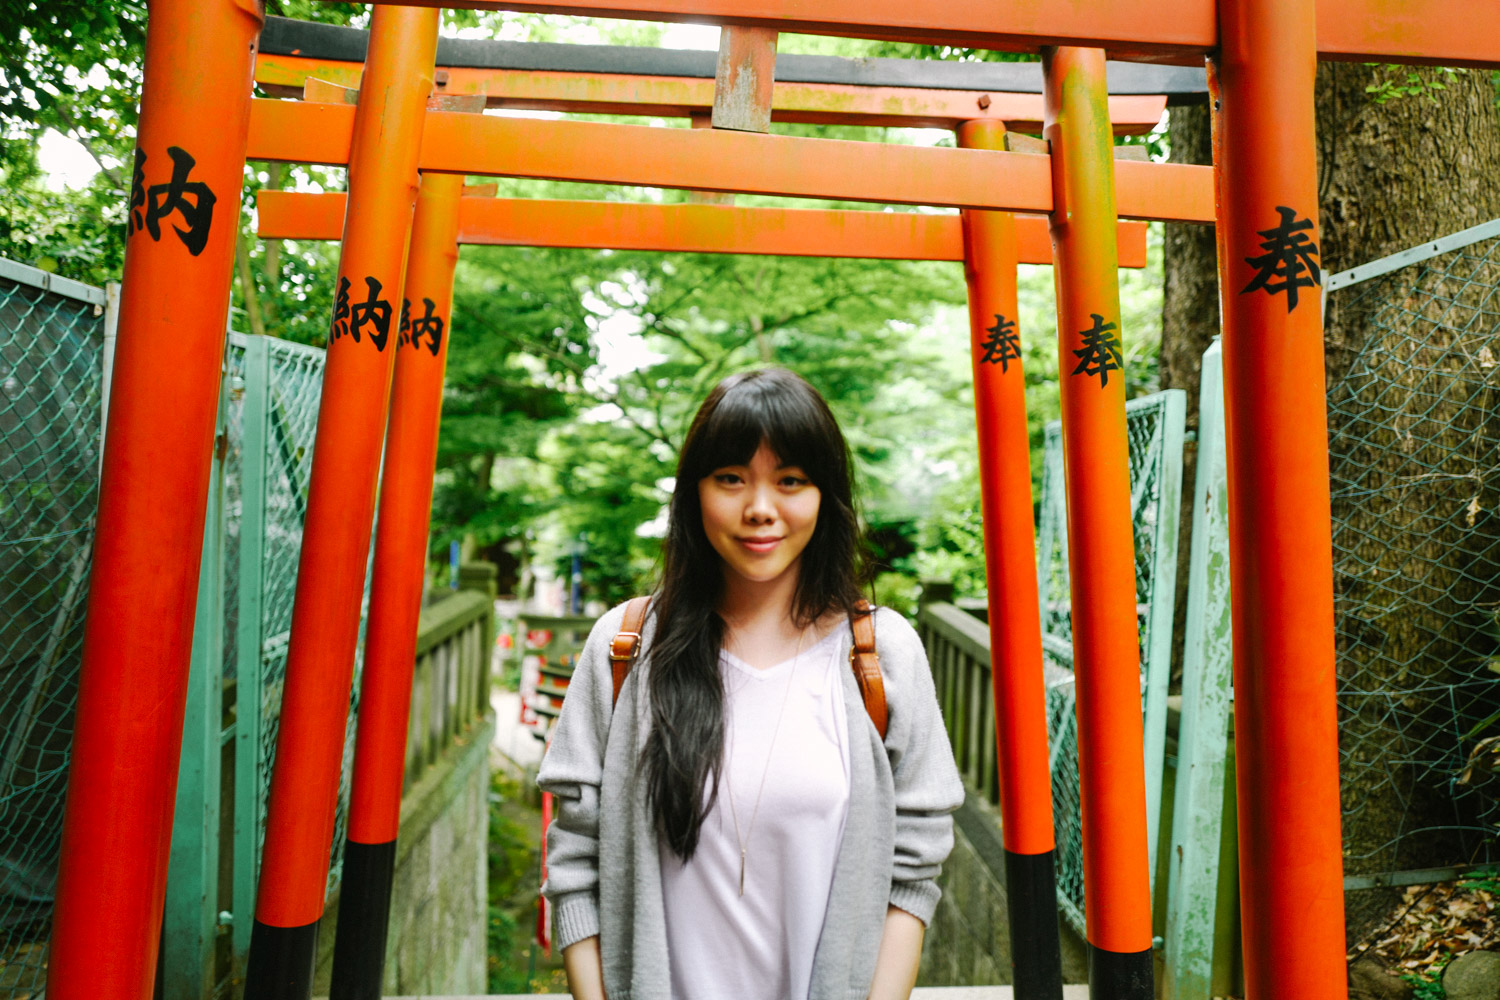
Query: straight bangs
x,y
795,425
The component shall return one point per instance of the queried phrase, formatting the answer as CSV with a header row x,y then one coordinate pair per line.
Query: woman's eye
x,y
727,478
793,481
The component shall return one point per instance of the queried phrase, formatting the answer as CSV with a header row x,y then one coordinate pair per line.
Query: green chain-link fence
x,y
272,412
1155,427
51,350
52,356
1414,420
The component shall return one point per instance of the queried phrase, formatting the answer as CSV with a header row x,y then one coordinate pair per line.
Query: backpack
x,y
863,659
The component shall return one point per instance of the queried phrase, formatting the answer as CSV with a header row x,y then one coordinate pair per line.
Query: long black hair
x,y
685,749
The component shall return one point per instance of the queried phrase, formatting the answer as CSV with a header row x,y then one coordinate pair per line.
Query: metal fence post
x,y
1157,654
111,333
250,641
190,920
1207,693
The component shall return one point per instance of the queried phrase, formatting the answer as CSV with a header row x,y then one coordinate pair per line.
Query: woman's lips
x,y
759,544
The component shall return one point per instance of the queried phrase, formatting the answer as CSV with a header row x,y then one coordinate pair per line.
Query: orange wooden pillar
x,y
1280,536
396,593
990,258
362,344
1101,549
183,220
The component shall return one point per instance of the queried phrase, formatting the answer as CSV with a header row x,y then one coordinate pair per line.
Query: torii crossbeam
x,y
675,83
1442,32
684,228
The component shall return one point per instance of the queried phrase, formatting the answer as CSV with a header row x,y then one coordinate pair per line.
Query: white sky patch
x,y
622,349
657,526
65,161
521,113
691,36
617,334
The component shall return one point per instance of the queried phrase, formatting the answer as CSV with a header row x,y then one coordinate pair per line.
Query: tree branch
x,y
79,137
581,371
247,286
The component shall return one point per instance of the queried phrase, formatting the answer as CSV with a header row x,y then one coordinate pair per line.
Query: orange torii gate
x,y
991,267
1262,56
686,228
695,227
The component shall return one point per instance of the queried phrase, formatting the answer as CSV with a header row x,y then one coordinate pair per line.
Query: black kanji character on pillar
x,y
374,311
1003,344
1288,257
405,334
341,313
1100,353
431,326
136,219
191,198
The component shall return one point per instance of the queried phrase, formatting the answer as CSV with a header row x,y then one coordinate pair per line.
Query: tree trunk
x,y
248,294
270,266
1407,429
1416,545
1189,323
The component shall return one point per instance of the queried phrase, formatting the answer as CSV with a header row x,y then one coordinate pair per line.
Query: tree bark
x,y
1413,549
270,266
1407,429
1189,323
250,297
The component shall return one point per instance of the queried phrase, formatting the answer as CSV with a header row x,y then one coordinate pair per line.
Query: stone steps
x,y
920,993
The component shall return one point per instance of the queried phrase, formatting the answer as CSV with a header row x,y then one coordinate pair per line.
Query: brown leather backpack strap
x,y
627,643
865,663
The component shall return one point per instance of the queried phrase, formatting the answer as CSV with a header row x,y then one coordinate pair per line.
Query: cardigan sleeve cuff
x,y
920,899
576,917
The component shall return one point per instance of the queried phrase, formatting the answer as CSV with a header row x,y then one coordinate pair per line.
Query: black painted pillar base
x,y
281,962
1120,975
364,918
1035,946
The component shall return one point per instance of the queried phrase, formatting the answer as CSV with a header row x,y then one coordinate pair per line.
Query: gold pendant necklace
x,y
744,842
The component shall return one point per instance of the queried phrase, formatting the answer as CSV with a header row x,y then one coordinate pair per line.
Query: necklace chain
x,y
744,841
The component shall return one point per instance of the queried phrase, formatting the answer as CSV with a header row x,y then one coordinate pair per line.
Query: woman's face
x,y
759,517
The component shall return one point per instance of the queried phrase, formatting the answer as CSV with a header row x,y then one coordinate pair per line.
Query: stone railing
x,y
436,943
451,683
958,649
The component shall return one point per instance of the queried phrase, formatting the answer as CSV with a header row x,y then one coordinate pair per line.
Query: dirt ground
x,y
1434,924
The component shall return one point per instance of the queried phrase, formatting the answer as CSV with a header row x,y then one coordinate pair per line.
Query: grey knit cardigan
x,y
603,874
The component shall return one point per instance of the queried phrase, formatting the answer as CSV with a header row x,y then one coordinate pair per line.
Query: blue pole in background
x,y
575,598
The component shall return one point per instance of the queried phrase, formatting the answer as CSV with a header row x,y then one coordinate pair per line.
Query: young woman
x,y
734,827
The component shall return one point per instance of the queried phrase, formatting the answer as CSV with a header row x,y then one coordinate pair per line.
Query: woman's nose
x,y
759,506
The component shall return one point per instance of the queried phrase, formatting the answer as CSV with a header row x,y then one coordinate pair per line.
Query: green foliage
x,y
76,234
1483,880
1427,984
72,66
1406,81
514,862
48,49
899,591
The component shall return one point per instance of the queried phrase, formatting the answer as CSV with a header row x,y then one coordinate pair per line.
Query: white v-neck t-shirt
x,y
722,946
